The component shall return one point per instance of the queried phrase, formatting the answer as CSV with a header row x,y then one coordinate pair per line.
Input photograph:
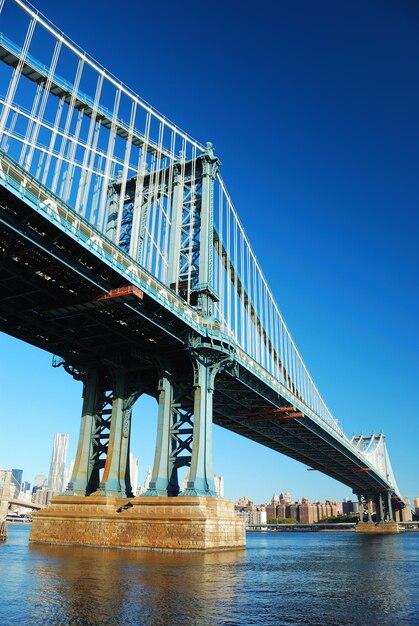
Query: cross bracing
x,y
94,158
50,298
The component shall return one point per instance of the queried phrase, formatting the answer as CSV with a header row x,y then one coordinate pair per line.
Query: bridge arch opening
x,y
143,439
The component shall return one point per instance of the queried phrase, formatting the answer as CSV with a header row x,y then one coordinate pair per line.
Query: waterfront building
x,y
291,511
416,503
257,517
271,511
243,507
406,513
244,501
281,510
285,498
272,507
218,482
349,507
305,512
332,508
57,473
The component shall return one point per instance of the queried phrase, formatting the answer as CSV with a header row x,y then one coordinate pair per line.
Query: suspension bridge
x,y
123,255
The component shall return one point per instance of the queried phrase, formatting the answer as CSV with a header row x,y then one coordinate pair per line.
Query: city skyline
x,y
284,505
59,450
340,180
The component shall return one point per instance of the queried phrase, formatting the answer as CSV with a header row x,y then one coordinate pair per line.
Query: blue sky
x,y
312,109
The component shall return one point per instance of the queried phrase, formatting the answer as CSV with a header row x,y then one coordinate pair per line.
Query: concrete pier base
x,y
147,523
377,528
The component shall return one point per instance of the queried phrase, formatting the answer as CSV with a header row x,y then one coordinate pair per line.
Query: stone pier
x,y
149,523
377,528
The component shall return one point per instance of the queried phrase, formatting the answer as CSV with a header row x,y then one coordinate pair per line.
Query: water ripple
x,y
337,579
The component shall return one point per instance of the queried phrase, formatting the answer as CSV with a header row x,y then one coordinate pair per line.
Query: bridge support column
x,y
174,436
160,478
390,508
383,525
369,503
116,476
82,465
201,476
104,435
360,508
381,507
184,431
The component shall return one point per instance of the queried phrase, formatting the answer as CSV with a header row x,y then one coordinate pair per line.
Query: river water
x,y
282,578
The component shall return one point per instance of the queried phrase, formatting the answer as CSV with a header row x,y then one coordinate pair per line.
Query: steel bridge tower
x,y
185,399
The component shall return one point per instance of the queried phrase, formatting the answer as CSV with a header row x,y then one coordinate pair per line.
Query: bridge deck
x,y
51,295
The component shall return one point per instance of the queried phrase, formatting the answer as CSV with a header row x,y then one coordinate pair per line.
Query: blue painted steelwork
x,y
153,208
13,177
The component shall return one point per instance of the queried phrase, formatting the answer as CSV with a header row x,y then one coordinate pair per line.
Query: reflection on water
x,y
282,578
109,586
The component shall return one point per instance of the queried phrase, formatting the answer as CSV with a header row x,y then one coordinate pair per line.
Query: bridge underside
x,y
59,296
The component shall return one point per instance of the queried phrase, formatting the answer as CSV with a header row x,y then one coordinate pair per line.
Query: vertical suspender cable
x,y
89,152
16,76
40,120
109,169
123,181
66,134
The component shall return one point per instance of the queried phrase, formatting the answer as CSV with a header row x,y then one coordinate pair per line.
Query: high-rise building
x,y
39,481
306,512
244,501
416,504
219,485
17,475
349,507
57,472
70,471
144,488
406,513
133,471
285,497
292,510
257,517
